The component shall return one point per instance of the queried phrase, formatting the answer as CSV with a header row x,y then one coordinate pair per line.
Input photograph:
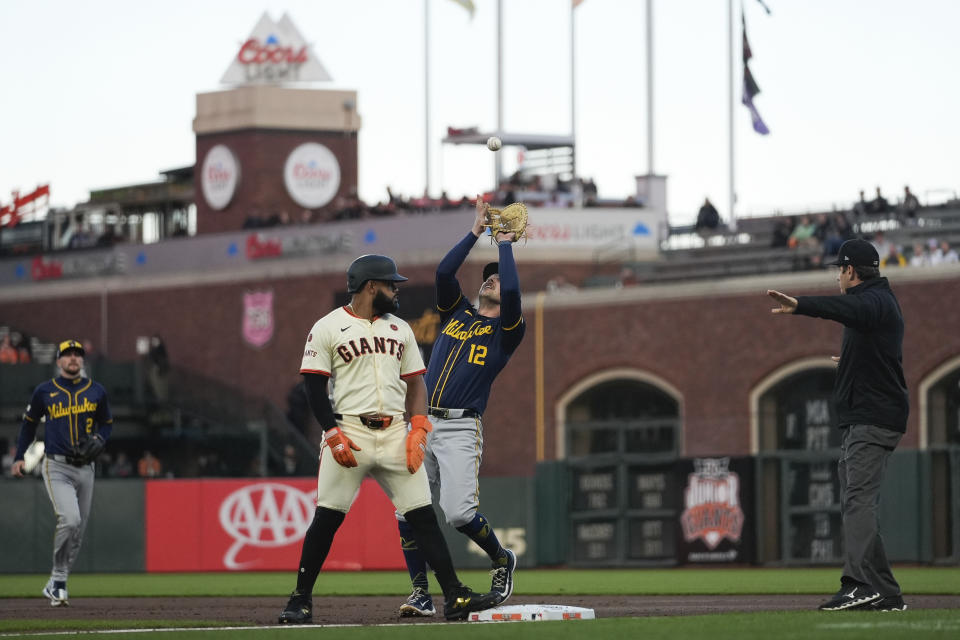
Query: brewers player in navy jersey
x,y
77,423
472,347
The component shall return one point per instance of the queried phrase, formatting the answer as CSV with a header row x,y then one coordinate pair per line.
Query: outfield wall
x,y
703,511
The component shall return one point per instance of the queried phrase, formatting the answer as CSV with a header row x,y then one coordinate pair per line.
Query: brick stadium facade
x,y
712,343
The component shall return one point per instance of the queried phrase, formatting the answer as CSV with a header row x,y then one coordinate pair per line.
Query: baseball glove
x,y
88,450
512,219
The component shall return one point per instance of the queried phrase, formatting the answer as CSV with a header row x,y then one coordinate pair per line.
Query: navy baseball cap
x,y
70,345
857,253
490,269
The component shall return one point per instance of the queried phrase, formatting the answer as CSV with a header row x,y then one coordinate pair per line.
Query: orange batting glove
x,y
341,445
417,442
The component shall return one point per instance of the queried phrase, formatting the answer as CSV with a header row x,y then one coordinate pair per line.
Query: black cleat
x,y
464,601
887,603
299,609
850,597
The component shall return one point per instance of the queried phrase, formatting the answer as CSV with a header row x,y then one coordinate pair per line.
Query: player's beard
x,y
384,304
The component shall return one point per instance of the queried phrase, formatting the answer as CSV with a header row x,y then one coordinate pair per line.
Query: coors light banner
x,y
275,52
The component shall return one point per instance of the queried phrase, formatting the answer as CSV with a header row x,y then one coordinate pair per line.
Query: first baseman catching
x,y
472,348
373,357
77,424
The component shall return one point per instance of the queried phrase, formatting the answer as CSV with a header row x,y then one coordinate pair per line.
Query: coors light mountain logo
x,y
275,52
711,503
264,515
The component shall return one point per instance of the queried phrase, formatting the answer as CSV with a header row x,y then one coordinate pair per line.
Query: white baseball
x,y
494,143
32,456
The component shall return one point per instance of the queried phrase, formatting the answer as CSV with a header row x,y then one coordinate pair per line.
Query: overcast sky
x,y
856,94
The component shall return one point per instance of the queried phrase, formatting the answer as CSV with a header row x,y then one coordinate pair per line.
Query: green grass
x,y
819,581
796,625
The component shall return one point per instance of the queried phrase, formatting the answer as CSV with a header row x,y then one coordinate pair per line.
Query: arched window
x,y
622,416
943,410
797,413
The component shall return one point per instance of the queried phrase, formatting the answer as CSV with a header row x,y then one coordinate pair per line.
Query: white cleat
x,y
58,597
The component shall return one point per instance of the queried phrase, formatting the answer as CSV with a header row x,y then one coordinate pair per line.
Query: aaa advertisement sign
x,y
258,525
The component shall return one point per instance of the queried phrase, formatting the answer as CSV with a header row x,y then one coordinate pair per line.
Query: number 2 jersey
x,y
72,410
471,349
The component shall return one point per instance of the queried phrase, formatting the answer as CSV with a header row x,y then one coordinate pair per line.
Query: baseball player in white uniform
x,y
376,426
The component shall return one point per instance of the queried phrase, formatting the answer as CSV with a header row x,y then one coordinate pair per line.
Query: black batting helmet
x,y
371,267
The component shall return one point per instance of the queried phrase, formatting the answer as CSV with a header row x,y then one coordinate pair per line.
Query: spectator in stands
x,y
306,216
803,234
21,343
838,232
879,205
908,207
149,466
253,221
894,257
943,254
781,232
289,460
8,353
920,257
861,208
121,467
81,237
109,237
560,284
708,220
881,244
158,368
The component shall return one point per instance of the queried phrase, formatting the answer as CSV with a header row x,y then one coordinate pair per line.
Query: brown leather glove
x,y
340,445
417,442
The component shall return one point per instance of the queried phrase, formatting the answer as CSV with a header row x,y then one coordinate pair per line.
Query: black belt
x,y
370,422
77,462
453,414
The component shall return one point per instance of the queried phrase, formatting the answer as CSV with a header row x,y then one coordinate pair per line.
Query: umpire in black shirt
x,y
872,406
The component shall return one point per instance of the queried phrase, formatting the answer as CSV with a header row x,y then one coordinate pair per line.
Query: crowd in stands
x,y
15,348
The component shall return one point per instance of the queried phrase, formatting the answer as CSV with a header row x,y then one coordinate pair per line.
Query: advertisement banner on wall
x,y
258,524
716,520
219,177
311,175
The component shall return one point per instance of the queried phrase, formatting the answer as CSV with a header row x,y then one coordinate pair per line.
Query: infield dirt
x,y
379,610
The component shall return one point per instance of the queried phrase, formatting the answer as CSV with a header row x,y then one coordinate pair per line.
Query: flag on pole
x,y
468,5
750,86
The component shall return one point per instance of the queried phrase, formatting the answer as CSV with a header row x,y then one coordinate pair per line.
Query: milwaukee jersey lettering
x,y
72,410
469,353
367,361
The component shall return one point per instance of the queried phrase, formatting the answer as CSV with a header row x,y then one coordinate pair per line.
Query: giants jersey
x,y
368,361
72,409
472,349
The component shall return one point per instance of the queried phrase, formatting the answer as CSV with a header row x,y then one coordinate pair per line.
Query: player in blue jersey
x,y
472,347
77,423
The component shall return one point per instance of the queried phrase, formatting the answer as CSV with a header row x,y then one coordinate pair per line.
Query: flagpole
x,y
650,87
496,157
730,81
426,97
573,93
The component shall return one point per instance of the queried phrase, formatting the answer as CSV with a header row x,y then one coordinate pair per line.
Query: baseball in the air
x,y
494,143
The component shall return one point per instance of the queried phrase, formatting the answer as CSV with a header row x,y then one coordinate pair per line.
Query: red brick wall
x,y
714,350
262,154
